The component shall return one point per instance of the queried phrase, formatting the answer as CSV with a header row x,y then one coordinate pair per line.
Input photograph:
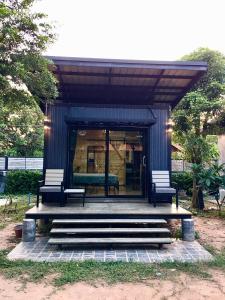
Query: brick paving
x,y
39,250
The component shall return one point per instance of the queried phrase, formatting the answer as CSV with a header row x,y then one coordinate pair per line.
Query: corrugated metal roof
x,y
124,81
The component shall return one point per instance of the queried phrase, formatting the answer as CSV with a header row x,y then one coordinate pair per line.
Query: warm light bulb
x,y
170,122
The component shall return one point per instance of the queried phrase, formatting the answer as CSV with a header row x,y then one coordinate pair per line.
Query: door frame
x,y
101,126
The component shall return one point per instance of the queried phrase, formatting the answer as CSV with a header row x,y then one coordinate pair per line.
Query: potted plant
x,y
18,230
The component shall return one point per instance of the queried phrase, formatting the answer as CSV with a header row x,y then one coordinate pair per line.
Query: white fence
x,y
180,165
21,163
2,163
36,163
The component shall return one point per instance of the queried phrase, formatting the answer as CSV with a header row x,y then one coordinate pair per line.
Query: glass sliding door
x,y
88,160
107,162
126,156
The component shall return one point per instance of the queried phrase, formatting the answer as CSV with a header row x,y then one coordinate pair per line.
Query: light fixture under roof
x,y
82,132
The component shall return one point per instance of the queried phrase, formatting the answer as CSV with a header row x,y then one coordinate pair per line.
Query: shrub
x,y
183,181
22,181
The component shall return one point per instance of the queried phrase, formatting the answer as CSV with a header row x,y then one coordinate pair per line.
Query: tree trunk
x,y
194,194
201,204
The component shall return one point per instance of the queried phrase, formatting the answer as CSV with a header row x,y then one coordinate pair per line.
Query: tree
x,y
191,118
25,79
196,114
21,131
24,35
211,84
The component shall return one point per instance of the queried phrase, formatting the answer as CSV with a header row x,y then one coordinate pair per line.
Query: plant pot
x,y
18,231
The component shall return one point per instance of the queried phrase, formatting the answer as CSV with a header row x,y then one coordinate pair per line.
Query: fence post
x,y
6,163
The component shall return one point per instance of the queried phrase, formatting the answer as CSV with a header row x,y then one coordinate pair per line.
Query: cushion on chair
x,y
50,189
165,190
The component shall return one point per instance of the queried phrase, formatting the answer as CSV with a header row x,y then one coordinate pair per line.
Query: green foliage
x,y
21,131
11,215
209,178
178,234
25,78
211,84
191,122
196,114
24,74
22,181
183,181
212,178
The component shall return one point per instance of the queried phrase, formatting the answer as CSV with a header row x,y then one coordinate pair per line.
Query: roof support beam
x,y
122,87
98,74
152,90
187,88
121,92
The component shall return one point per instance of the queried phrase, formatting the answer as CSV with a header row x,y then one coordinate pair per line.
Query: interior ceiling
x,y
124,81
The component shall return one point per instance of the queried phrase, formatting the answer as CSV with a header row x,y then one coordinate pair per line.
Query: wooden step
x,y
97,241
108,230
108,221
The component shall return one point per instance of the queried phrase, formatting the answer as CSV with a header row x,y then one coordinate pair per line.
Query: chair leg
x,y
177,201
83,198
154,201
37,203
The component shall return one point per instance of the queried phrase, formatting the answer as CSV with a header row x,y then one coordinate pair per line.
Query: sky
x,y
135,29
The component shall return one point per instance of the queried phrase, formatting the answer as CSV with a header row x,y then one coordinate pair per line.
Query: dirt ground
x,y
182,287
211,230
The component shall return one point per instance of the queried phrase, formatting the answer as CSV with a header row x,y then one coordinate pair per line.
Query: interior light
x,y
82,132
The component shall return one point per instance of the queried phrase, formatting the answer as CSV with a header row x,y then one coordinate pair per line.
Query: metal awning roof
x,y
113,81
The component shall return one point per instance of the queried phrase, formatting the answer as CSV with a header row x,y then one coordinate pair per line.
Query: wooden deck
x,y
140,209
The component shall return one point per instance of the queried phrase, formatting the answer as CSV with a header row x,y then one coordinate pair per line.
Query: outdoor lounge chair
x,y
53,183
162,187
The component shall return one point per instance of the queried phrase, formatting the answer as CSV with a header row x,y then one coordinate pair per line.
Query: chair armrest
x,y
40,183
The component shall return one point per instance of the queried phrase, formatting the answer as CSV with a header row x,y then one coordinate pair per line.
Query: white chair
x,y
161,185
53,183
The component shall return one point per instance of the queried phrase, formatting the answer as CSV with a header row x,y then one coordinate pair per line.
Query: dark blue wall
x,y
158,139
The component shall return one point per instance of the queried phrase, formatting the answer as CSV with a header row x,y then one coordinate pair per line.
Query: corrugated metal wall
x,y
158,140
112,114
56,140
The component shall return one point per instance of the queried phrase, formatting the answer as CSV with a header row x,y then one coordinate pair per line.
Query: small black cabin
x,y
110,126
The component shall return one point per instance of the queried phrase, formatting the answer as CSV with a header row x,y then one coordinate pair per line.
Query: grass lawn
x,y
15,212
61,273
109,272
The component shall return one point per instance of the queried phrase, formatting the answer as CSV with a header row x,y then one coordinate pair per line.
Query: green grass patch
x,y
109,272
211,214
15,212
178,234
69,272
